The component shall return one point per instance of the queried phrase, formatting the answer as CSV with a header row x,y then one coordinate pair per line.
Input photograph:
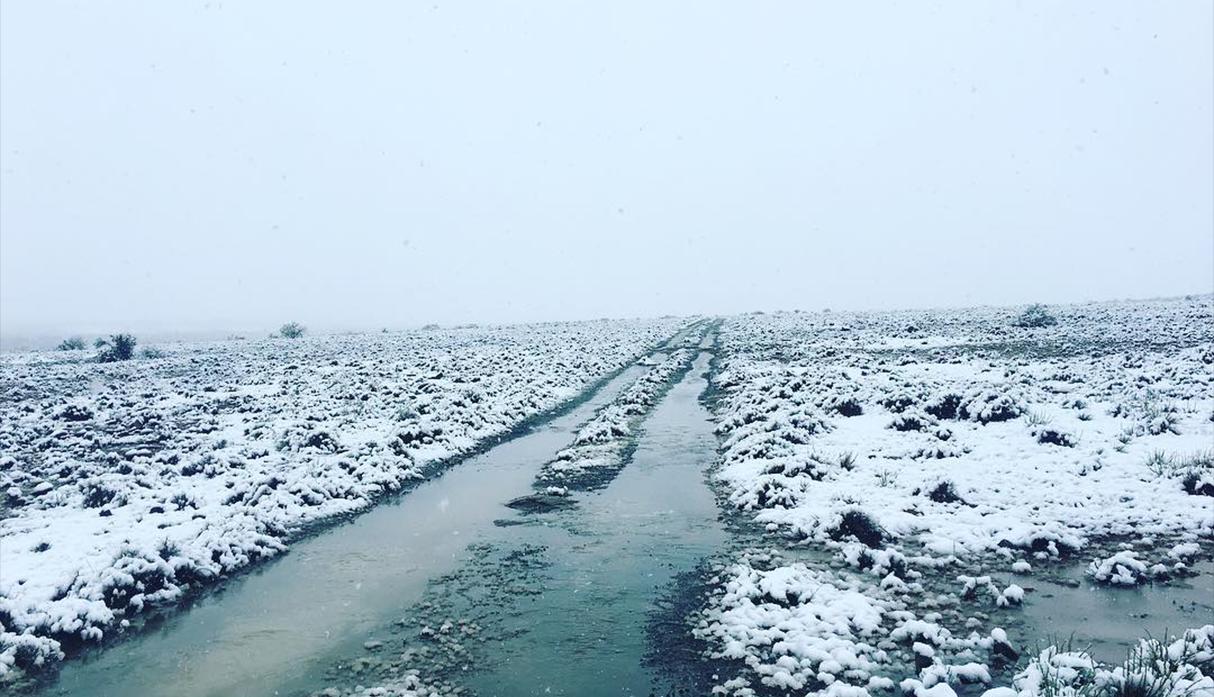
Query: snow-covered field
x,y
126,484
901,484
934,462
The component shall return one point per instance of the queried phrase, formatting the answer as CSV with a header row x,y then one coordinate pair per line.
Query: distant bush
x,y
151,352
74,412
1035,316
847,406
119,347
292,330
322,440
72,343
100,342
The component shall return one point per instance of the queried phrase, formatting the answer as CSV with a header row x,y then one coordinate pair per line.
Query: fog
x,y
208,167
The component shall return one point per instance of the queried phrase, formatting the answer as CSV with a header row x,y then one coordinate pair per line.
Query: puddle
x,y
1108,621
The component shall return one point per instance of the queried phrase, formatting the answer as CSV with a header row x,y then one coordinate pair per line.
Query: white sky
x,y
206,166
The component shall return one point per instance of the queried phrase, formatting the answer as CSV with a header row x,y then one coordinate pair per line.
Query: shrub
x,y
1050,436
1161,464
859,525
887,477
847,461
150,352
73,412
322,440
945,492
1195,484
1198,471
167,549
946,407
72,343
98,495
1035,316
1037,418
989,406
292,330
898,403
910,422
848,406
120,348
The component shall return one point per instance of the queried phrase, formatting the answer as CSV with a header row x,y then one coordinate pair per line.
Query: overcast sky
x,y
232,165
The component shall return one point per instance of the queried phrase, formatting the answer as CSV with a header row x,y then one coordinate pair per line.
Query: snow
x,y
796,462
790,623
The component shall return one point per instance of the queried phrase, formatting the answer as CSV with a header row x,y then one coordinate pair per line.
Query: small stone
x,y
1005,651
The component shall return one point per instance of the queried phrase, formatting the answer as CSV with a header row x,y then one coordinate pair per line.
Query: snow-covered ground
x,y
125,484
908,477
916,449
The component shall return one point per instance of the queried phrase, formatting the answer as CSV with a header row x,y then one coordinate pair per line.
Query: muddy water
x,y
586,626
281,624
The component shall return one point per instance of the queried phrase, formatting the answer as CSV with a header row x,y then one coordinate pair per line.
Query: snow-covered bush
x,y
119,347
1035,316
72,343
291,330
1179,667
1053,436
1121,569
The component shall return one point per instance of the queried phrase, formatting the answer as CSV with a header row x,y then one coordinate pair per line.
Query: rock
x,y
541,503
1004,650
